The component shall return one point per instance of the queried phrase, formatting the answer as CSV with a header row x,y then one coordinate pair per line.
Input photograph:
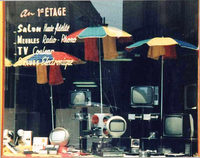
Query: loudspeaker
x,y
66,118
91,112
98,124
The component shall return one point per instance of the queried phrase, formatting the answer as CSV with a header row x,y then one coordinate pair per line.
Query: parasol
x,y
8,63
162,46
54,58
101,32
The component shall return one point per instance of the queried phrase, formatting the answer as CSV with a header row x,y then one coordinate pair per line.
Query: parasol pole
x,y
161,87
100,77
51,98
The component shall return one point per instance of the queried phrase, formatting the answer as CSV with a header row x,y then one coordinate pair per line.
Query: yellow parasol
x,y
7,63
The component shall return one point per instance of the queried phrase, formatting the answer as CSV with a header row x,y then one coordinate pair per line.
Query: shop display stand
x,y
146,142
82,126
145,117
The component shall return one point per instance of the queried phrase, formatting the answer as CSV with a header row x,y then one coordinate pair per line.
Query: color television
x,y
190,97
178,125
116,126
144,96
80,98
59,136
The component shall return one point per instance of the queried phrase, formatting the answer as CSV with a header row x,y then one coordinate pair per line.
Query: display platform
x,y
8,154
26,151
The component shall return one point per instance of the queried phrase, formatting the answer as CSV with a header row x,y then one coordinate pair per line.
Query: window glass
x,y
38,97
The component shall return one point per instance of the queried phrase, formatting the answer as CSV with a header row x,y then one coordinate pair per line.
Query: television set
x,y
80,98
190,97
144,96
116,126
178,125
59,136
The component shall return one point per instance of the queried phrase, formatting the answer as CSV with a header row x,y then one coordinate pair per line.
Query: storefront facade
x,y
35,102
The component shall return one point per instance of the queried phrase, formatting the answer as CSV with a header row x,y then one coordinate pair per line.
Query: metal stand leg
x,y
51,98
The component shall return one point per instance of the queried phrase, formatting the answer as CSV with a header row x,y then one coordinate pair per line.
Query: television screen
x,y
173,126
58,135
178,125
190,98
80,98
144,96
117,126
